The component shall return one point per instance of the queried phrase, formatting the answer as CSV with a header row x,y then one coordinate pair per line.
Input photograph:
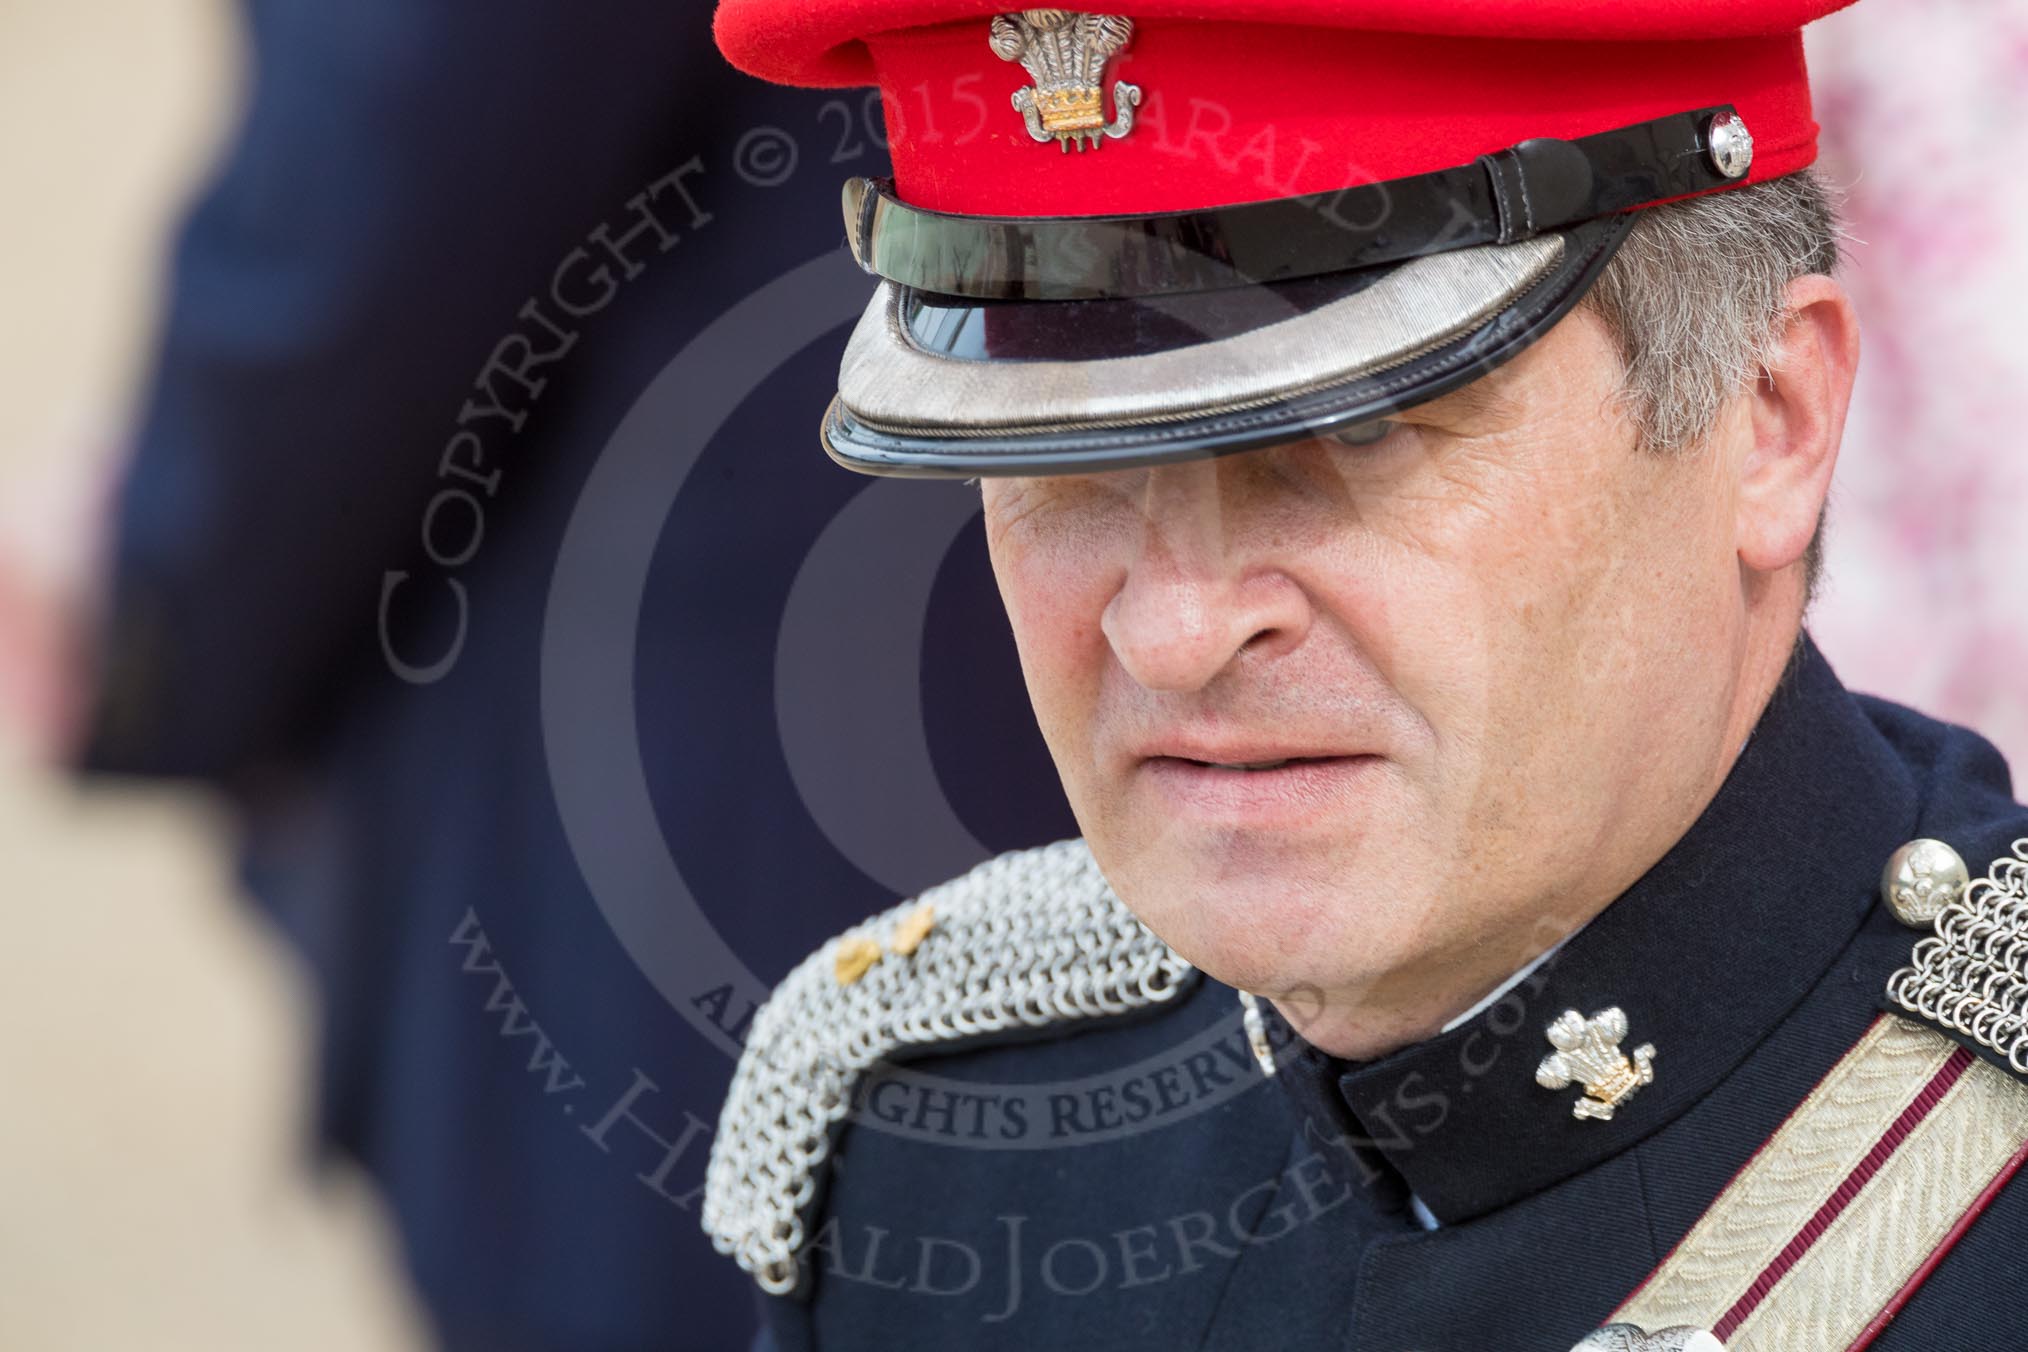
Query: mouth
x,y
1254,766
1261,791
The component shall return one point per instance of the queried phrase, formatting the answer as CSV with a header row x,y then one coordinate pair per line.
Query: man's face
x,y
1485,668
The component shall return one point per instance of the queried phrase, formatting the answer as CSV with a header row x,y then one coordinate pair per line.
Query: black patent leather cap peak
x,y
953,450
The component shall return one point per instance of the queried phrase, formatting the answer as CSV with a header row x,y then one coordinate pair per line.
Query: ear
x,y
1797,420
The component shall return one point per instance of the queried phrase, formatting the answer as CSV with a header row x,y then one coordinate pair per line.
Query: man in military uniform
x,y
1404,431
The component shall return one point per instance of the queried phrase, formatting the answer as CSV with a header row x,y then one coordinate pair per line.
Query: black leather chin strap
x,y
1539,185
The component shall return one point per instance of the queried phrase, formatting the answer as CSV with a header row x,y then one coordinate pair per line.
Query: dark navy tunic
x,y
1753,956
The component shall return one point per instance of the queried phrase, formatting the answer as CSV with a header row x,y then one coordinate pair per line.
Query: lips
x,y
1230,752
1252,765
1251,790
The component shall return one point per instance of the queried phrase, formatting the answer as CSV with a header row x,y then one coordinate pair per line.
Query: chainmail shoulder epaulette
x,y
1026,940
1970,978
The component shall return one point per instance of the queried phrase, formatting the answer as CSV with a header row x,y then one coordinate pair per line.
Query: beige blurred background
x,y
153,1036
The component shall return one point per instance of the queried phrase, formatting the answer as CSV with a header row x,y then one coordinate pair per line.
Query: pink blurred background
x,y
1928,598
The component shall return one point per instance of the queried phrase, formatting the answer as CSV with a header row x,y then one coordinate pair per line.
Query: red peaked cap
x,y
1248,101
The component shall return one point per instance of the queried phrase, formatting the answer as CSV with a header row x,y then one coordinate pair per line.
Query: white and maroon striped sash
x,y
1835,1222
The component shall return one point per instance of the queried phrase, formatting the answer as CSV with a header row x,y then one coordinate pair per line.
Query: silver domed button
x,y
1923,877
1730,145
1631,1338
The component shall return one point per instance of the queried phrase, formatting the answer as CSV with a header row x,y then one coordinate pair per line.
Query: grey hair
x,y
1694,298
1694,301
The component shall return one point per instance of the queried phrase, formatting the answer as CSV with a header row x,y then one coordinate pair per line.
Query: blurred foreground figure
x,y
411,324
1405,432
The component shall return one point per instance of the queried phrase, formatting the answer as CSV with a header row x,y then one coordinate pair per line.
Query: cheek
x,y
1582,639
1555,551
1055,587
1474,591
1425,585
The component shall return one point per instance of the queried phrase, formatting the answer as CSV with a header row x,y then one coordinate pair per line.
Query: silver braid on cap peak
x,y
1027,940
1970,978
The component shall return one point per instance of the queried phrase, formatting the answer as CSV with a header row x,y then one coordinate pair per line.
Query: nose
x,y
1198,591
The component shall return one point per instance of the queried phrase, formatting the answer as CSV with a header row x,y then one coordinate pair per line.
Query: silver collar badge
x,y
1066,55
1588,1052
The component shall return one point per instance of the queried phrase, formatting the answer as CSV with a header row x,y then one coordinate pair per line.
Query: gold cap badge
x,y
1066,55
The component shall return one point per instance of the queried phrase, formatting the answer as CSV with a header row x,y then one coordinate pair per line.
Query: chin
x,y
1268,927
